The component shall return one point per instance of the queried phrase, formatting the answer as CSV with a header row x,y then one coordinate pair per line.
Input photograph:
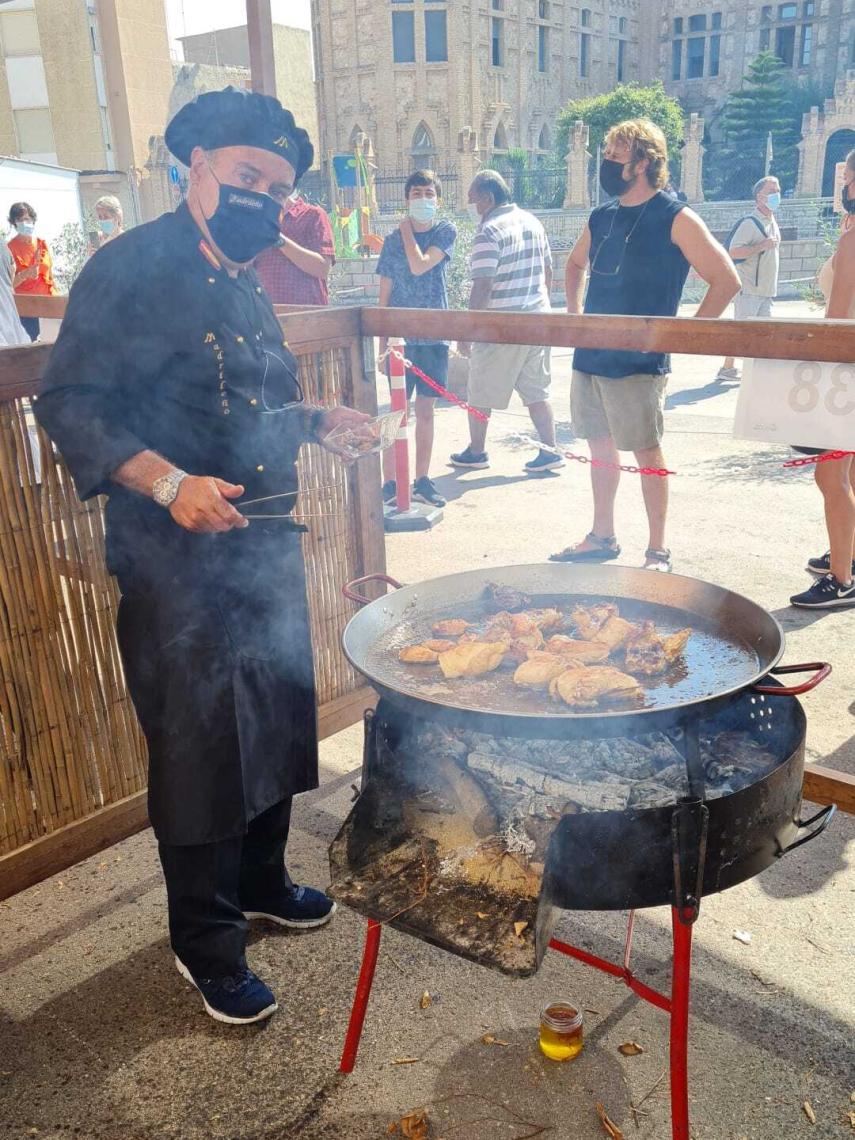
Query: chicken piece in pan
x,y
491,633
547,620
520,647
518,625
615,633
588,688
438,644
648,654
451,627
539,669
472,659
585,652
418,655
589,620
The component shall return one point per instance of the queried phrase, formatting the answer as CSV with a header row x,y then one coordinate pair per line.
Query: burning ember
x,y
449,839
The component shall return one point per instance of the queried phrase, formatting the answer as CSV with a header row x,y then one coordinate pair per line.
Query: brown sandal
x,y
604,550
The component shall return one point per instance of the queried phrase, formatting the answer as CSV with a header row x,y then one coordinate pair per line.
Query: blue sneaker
x,y
303,908
239,999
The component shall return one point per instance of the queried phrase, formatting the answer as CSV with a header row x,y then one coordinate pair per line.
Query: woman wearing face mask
x,y
33,263
170,389
835,570
110,218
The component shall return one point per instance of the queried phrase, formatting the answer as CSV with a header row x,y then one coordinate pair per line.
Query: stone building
x,y
85,87
704,50
450,83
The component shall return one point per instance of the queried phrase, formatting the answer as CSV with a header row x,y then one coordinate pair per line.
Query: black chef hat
x,y
234,117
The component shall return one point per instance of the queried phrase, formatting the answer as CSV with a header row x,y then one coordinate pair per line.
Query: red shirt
x,y
285,283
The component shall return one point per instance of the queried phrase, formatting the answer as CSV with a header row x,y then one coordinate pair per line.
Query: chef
x,y
171,391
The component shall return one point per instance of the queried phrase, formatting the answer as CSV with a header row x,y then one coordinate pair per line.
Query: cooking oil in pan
x,y
561,1036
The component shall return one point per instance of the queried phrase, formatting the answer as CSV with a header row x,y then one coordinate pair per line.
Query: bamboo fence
x,y
72,757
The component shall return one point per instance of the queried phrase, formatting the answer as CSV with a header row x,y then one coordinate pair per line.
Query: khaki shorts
x,y
497,370
629,410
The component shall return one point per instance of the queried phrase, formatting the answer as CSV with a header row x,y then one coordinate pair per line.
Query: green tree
x,y
769,102
626,101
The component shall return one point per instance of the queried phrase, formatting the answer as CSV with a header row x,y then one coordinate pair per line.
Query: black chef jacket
x,y
161,349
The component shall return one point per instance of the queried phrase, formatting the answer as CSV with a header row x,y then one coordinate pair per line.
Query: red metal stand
x,y
360,998
677,1005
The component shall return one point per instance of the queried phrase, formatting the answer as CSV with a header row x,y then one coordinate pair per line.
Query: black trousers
x,y
210,885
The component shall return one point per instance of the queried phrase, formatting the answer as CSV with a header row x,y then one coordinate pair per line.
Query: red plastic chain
x,y
807,460
437,387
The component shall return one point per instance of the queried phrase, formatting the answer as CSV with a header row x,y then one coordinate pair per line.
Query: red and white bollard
x,y
398,384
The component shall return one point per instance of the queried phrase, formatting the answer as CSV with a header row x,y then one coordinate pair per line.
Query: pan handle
x,y
825,816
822,670
360,599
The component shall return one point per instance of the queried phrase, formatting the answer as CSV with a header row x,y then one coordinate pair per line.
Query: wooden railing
x,y
72,764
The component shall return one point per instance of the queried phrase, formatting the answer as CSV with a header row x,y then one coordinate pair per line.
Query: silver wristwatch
x,y
164,489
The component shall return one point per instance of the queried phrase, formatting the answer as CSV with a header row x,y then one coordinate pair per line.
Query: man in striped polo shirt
x,y
511,268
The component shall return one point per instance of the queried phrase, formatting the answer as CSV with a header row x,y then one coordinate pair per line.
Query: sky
x,y
189,17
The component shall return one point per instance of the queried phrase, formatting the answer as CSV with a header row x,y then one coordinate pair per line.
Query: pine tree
x,y
768,103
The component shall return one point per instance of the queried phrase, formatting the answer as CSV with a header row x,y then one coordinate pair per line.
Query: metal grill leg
x,y
361,996
680,982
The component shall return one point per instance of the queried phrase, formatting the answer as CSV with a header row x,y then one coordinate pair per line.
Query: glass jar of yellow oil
x,y
561,1036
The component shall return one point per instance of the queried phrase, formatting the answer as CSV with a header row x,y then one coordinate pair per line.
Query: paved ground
x,y
99,1038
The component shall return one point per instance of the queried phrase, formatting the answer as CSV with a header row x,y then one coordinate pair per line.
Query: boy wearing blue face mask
x,y
413,268
754,245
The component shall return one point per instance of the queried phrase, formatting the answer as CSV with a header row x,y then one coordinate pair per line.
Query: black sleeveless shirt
x,y
635,270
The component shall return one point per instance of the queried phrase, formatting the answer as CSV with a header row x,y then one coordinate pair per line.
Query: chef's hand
x,y
336,418
202,505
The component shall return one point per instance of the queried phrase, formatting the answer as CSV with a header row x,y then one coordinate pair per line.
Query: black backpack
x,y
734,228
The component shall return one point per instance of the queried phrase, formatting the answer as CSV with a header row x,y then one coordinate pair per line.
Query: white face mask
x,y
472,210
28,228
422,209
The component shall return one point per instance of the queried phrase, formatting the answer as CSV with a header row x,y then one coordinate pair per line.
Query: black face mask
x,y
611,177
244,223
848,203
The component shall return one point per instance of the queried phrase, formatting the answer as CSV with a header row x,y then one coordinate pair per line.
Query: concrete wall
x,y
70,75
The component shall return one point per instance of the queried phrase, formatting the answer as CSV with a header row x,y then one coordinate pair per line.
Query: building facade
x,y
418,76
704,51
429,82
85,86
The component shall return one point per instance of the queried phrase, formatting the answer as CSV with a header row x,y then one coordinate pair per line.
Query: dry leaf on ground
x,y
807,1109
481,914
425,1001
519,927
743,936
630,1049
406,1060
609,1126
415,1125
392,1128
489,1039
851,1118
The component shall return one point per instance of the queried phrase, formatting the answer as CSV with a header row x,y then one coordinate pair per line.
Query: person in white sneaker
x,y
835,587
754,245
